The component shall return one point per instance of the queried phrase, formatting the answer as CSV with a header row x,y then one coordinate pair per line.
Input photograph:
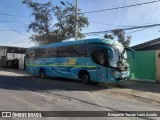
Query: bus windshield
x,y
120,56
116,59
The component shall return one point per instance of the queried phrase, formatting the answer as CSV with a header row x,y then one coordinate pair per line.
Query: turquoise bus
x,y
96,60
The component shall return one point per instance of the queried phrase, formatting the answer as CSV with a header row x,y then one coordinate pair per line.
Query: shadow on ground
x,y
37,84
59,84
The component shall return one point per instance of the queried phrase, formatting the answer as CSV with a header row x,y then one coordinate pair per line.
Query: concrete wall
x,y
2,63
2,52
10,53
20,57
2,57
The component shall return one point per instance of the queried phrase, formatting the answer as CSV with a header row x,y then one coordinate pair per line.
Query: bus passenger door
x,y
99,57
101,73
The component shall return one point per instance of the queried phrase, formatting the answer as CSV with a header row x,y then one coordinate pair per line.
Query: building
x,y
12,57
146,65
150,45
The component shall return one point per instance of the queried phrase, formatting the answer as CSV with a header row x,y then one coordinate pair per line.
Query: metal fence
x,y
143,67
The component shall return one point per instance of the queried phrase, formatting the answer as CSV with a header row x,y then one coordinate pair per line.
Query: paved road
x,y
28,93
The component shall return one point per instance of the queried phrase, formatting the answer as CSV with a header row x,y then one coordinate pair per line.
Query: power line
x,y
12,26
19,21
19,32
115,8
15,31
12,15
109,24
17,42
9,21
15,21
5,30
102,32
136,31
124,25
140,30
129,28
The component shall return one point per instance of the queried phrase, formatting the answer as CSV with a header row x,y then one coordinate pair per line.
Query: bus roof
x,y
91,40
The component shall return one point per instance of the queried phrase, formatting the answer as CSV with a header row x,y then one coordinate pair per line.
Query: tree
x,y
42,21
108,36
120,34
64,18
66,21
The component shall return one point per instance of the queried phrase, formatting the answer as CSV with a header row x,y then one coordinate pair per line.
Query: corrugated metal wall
x,y
143,66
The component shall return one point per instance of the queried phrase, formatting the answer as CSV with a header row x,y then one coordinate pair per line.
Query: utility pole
x,y
76,23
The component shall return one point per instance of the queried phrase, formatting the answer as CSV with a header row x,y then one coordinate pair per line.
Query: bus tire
x,y
84,76
42,73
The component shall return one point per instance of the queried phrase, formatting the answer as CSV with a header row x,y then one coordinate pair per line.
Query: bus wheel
x,y
85,78
42,73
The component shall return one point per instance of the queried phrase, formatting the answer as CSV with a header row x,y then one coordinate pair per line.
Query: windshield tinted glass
x,y
124,55
113,61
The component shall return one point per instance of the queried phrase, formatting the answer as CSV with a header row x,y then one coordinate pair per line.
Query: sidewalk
x,y
13,72
145,91
142,86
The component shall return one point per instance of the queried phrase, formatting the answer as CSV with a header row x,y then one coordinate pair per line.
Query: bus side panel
x,y
92,74
86,63
67,67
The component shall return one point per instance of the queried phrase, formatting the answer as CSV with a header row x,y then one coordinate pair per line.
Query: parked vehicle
x,y
99,60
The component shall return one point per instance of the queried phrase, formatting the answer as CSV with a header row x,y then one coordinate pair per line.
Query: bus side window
x,y
31,55
51,52
27,55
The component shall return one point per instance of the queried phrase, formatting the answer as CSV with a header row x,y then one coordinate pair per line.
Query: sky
x,y
13,30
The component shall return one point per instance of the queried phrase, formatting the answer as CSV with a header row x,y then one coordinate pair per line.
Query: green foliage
x,y
120,34
109,36
64,22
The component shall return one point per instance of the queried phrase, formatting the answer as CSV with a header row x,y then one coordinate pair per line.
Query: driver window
x,y
100,57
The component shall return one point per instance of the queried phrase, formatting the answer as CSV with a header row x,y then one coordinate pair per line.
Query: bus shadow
x,y
61,84
37,84
141,86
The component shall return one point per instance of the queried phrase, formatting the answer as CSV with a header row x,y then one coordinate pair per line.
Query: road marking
x,y
33,92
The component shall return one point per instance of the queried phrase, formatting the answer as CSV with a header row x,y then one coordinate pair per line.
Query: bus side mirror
x,y
131,50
